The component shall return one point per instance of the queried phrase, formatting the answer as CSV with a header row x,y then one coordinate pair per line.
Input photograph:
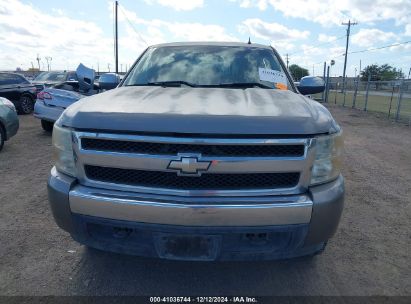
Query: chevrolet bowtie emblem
x,y
189,165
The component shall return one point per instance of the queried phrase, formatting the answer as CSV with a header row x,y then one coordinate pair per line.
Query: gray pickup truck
x,y
205,151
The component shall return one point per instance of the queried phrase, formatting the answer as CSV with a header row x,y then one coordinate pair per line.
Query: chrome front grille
x,y
237,167
255,150
158,179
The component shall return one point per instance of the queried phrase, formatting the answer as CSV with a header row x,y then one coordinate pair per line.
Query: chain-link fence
x,y
392,98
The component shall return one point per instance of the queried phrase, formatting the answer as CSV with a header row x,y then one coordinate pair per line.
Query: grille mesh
x,y
206,150
156,179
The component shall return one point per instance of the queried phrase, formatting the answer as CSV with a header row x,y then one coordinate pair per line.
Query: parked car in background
x,y
52,101
9,122
19,91
47,79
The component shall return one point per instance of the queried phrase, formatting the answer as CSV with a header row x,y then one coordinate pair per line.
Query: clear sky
x,y
77,31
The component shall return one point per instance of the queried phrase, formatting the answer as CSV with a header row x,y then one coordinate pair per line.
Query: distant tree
x,y
298,72
390,73
382,72
370,69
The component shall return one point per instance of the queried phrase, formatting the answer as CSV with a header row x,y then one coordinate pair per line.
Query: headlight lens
x,y
327,164
63,150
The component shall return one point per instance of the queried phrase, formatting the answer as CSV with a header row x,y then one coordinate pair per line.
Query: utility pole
x,y
349,24
409,73
323,94
48,59
116,36
38,61
32,68
287,59
327,85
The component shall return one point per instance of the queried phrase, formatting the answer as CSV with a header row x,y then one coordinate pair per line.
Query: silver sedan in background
x,y
52,101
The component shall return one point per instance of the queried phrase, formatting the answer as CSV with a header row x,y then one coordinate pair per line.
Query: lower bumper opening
x,y
191,243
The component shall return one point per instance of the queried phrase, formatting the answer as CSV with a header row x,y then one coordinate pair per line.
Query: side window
x,y
3,79
72,76
21,79
6,79
74,87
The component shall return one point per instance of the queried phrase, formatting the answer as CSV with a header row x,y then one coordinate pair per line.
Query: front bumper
x,y
45,112
235,228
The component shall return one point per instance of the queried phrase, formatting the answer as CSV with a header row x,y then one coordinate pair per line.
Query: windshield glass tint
x,y
204,65
52,76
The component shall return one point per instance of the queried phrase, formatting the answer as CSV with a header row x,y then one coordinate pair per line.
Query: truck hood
x,y
253,111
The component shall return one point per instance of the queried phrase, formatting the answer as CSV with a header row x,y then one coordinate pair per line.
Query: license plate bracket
x,y
187,247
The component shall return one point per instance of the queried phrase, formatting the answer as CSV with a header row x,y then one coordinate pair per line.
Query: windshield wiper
x,y
244,85
171,83
178,83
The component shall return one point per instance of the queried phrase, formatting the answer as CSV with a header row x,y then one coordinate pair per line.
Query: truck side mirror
x,y
311,85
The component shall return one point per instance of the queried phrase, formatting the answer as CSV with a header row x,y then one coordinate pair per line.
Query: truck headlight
x,y
327,163
63,150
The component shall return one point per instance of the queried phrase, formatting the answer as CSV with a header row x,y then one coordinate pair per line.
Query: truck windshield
x,y
209,66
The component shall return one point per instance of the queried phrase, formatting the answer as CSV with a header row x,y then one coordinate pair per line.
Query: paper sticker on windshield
x,y
274,76
281,86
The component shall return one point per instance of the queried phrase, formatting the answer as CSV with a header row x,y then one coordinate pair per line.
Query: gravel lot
x,y
370,254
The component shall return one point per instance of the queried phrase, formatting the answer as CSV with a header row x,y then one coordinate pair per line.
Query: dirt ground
x,y
369,255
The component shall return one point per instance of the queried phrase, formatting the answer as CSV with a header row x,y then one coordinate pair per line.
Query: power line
x,y
313,47
321,44
132,26
380,48
376,48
